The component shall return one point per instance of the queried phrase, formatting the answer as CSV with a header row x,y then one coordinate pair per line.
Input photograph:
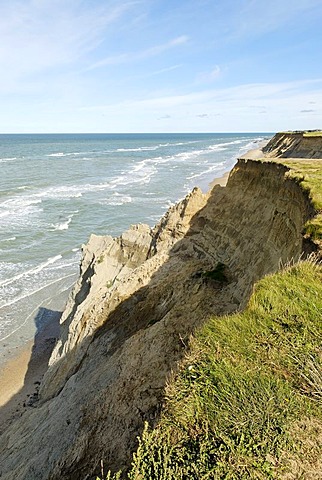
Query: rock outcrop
x,y
109,275
130,315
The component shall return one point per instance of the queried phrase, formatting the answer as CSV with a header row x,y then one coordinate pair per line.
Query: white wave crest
x,y
32,271
116,200
9,159
19,210
30,294
138,149
210,169
63,225
250,145
10,239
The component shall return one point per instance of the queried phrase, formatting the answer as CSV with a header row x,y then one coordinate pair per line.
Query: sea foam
x,y
112,180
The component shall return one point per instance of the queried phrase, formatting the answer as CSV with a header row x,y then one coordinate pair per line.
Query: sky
x,y
160,66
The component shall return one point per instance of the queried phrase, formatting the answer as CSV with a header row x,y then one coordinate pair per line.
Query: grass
x,y
309,175
313,133
308,133
246,401
242,402
100,258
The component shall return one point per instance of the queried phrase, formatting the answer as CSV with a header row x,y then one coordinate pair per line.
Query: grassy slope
x,y
314,133
246,402
309,175
305,133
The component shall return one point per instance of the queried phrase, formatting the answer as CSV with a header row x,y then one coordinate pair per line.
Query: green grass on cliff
x,y
309,175
307,133
313,133
246,402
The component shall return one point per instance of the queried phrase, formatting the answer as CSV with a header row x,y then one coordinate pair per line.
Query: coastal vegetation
x,y
202,360
246,401
313,133
309,175
305,133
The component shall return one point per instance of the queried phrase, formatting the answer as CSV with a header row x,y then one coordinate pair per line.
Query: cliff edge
x,y
303,144
138,299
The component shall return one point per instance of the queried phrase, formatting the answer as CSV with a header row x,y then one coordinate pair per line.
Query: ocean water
x,y
55,190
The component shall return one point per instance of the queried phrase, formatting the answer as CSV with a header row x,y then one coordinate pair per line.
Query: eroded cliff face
x,y
294,144
128,321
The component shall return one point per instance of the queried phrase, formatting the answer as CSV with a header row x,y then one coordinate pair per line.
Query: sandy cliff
x,y
295,144
128,320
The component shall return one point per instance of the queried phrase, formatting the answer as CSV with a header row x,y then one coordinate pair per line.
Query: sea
x,y
57,189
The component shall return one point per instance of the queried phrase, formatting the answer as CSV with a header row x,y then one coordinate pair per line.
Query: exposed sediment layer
x,y
294,144
129,318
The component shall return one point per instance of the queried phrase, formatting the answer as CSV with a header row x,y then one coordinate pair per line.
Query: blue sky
x,y
160,65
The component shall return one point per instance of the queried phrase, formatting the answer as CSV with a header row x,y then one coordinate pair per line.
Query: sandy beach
x,y
222,181
20,376
13,373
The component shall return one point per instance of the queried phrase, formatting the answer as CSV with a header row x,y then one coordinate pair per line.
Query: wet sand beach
x,y
21,375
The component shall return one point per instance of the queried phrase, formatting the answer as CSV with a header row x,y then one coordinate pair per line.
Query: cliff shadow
x,y
47,332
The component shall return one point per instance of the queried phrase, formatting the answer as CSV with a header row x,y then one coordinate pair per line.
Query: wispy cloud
x,y
210,76
141,55
282,99
258,17
165,70
133,62
38,35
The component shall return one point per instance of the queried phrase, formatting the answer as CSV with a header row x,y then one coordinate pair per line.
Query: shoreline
x,y
222,181
22,373
13,373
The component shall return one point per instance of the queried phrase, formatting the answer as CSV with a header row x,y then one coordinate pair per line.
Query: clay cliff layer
x,y
128,320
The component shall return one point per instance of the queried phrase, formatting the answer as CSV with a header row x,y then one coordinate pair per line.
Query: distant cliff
x,y
306,144
138,298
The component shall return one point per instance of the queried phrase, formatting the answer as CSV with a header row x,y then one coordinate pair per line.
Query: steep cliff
x,y
129,318
295,144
